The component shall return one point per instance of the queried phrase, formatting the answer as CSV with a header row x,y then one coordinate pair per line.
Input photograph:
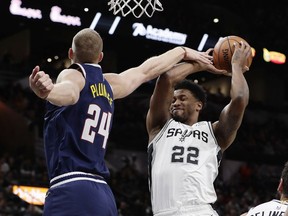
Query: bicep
x,y
72,77
227,126
160,102
125,83
156,119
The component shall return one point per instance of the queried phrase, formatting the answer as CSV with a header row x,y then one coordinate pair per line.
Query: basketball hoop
x,y
136,7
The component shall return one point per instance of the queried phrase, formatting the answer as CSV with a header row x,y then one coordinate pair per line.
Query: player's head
x,y
87,46
189,99
284,179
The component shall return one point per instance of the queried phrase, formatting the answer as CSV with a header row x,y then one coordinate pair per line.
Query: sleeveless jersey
x,y
273,207
183,165
75,136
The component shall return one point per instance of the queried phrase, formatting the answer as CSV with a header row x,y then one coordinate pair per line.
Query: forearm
x,y
63,94
181,71
239,86
155,66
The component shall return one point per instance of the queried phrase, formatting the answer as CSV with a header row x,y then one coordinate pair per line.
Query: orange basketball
x,y
223,51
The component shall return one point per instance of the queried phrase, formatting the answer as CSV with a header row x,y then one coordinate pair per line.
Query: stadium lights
x,y
32,195
273,56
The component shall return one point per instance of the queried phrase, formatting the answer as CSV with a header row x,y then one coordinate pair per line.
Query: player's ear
x,y
101,55
199,106
70,53
280,186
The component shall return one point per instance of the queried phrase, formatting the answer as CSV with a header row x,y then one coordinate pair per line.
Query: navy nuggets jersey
x,y
183,165
76,136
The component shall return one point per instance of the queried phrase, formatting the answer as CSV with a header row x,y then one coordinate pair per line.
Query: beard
x,y
178,118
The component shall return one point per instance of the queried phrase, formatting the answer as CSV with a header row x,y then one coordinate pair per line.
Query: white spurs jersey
x,y
271,208
183,165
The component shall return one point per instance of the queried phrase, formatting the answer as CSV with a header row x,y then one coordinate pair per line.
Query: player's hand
x,y
212,68
40,83
209,67
196,56
241,54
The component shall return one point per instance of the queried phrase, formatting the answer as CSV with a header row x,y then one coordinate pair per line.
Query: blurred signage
x,y
32,195
153,33
16,9
55,14
253,51
116,24
274,57
140,30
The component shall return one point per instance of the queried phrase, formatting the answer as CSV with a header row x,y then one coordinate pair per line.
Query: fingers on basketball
x,y
223,52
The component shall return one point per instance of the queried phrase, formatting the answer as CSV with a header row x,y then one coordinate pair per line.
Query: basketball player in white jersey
x,y
275,206
184,154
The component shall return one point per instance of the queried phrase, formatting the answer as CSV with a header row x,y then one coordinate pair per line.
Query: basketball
x,y
223,51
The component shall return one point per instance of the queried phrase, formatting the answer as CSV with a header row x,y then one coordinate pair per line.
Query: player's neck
x,y
192,120
284,199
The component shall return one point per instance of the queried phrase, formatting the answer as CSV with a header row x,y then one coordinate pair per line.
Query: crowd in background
x,y
250,185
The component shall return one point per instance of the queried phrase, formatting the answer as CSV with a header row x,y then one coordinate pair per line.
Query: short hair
x,y
87,44
194,88
284,177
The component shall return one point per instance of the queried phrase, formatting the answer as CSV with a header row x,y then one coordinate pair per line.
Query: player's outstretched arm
x,y
126,82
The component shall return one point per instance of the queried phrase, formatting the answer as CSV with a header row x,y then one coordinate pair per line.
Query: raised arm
x,y
66,90
162,96
231,116
126,82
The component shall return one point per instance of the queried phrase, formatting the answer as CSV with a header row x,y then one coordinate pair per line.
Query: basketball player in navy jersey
x,y
276,206
78,120
183,153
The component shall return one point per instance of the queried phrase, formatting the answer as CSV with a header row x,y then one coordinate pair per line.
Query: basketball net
x,y
136,7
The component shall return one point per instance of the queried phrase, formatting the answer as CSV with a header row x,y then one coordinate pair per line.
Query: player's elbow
x,y
70,99
241,101
240,96
74,97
